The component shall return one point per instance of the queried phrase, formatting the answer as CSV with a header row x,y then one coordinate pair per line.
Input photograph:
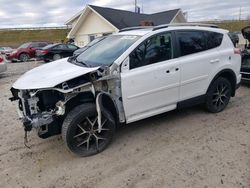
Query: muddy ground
x,y
186,148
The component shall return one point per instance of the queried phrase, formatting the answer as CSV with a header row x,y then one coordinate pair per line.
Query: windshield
x,y
105,52
25,45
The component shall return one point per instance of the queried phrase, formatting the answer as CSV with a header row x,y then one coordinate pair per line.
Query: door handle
x,y
214,61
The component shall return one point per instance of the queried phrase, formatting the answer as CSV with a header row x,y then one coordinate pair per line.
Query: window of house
x,y
106,34
155,49
91,38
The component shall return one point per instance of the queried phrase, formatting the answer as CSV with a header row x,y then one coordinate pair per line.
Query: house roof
x,y
122,18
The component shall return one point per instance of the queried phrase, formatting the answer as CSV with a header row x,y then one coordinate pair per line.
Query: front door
x,y
151,85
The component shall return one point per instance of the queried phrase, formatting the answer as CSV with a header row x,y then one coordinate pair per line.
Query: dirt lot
x,y
187,148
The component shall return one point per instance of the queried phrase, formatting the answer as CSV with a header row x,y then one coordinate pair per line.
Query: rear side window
x,y
213,39
197,41
191,42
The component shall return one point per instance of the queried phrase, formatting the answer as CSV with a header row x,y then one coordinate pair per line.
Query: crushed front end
x,y
41,111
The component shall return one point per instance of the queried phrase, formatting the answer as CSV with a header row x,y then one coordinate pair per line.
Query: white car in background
x,y
3,65
128,76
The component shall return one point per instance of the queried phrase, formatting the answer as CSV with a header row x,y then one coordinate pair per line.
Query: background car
x,y
26,51
96,40
234,37
54,52
245,66
6,50
3,65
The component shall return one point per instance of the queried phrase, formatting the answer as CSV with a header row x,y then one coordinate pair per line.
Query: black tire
x,y
24,57
56,57
78,135
218,95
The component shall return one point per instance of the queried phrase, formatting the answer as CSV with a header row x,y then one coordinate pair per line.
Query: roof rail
x,y
184,24
135,28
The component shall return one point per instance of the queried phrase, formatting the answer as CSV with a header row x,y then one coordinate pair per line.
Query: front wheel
x,y
218,95
80,130
24,57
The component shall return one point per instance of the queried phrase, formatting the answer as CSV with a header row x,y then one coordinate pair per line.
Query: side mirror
x,y
125,65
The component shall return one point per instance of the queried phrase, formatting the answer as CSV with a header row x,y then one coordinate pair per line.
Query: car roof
x,y
141,31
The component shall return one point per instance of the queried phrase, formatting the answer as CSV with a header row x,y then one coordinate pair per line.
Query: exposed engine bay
x,y
44,110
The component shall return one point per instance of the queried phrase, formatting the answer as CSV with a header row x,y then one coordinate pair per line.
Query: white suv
x,y
126,77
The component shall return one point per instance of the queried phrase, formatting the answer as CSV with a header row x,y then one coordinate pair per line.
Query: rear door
x,y
151,85
199,57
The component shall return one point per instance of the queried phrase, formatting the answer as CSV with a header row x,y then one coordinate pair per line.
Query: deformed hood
x,y
50,75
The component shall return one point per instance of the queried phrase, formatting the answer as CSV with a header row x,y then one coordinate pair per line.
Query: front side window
x,y
34,45
73,47
60,47
42,44
191,42
106,51
25,45
155,49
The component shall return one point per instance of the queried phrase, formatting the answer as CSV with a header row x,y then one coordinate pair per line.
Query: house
x,y
96,21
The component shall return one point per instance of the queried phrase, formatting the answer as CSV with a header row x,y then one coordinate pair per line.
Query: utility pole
x,y
240,14
135,6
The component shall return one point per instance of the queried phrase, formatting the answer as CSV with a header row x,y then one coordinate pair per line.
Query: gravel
x,y
182,148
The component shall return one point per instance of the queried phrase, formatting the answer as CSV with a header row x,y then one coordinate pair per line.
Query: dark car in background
x,y
26,51
96,40
245,66
234,37
54,52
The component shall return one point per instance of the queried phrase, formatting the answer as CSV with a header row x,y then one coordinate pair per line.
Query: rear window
x,y
197,41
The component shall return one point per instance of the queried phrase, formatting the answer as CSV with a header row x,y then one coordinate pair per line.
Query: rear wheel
x,y
56,57
218,95
80,130
24,57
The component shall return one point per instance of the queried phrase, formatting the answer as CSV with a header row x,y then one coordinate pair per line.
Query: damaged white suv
x,y
126,77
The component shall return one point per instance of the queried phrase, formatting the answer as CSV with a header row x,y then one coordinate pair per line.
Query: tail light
x,y
1,59
237,51
43,51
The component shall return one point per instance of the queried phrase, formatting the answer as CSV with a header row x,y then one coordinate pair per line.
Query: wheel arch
x,y
229,75
108,103
22,53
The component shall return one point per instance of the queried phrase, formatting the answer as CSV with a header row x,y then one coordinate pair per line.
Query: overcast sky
x,y
26,13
